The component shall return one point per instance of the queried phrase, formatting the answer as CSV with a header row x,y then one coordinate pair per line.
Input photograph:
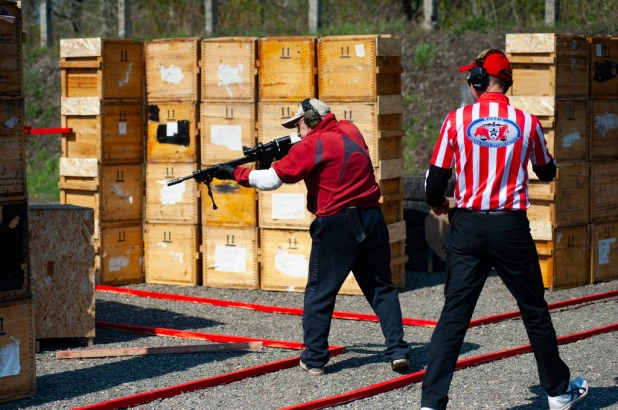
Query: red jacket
x,y
333,159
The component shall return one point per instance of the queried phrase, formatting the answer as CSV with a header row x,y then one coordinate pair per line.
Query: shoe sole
x,y
400,366
312,372
580,398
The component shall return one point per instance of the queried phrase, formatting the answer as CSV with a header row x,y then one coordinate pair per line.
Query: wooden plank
x,y
534,105
541,230
603,53
121,193
604,130
397,231
530,43
168,140
604,255
391,168
144,351
172,69
174,204
285,208
236,205
80,47
79,64
171,254
14,276
121,254
604,191
230,257
63,271
17,341
92,185
79,167
531,59
80,106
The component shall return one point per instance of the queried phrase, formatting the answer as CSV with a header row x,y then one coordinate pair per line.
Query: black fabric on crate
x,y
179,138
13,246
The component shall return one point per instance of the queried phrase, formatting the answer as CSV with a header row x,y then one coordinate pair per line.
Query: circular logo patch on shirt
x,y
493,132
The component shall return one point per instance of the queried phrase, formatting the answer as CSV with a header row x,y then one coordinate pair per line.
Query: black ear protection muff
x,y
478,77
311,116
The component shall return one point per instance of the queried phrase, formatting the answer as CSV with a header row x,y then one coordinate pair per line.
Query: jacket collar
x,y
493,97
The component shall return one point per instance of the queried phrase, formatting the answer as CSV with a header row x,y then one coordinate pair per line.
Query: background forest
x,y
431,83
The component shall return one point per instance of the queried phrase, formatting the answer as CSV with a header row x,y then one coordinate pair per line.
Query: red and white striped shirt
x,y
489,143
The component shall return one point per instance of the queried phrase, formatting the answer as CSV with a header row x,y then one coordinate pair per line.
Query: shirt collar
x,y
493,97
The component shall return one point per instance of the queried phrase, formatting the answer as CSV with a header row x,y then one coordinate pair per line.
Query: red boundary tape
x,y
343,315
402,381
225,378
213,337
30,130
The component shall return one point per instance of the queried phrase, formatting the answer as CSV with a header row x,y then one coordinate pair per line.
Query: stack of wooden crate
x,y
17,361
603,157
550,80
102,159
227,123
172,213
359,78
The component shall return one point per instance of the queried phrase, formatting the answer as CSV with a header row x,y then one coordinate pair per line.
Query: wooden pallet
x,y
172,70
604,252
236,205
564,259
168,139
15,272
603,130
603,191
120,254
176,204
603,51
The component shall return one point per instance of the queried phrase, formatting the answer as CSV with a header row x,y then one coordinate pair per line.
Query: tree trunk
x,y
430,12
315,15
45,8
552,7
210,7
124,18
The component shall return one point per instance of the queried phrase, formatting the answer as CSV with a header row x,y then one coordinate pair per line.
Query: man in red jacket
x,y
348,234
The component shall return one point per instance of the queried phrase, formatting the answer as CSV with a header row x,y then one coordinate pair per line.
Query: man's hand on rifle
x,y
224,171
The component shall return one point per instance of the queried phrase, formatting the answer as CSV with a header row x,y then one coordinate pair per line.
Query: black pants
x,y
476,242
336,250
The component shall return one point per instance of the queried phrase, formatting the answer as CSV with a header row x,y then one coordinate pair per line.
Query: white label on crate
x,y
230,259
172,129
116,190
606,122
558,237
295,266
599,50
360,50
117,263
288,206
9,359
171,195
179,256
229,75
126,76
172,75
604,249
228,135
122,128
568,140
11,122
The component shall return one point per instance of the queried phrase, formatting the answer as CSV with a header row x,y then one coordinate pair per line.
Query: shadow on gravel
x,y
598,398
80,382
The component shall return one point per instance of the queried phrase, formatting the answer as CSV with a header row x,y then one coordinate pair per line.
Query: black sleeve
x,y
545,172
435,186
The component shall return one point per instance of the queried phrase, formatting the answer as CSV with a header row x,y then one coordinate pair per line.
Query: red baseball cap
x,y
494,62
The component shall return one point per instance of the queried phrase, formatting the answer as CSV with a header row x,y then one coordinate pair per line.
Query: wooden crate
x,y
12,151
171,253
174,204
603,130
564,259
287,68
270,117
285,258
173,132
17,350
102,69
63,270
229,70
115,192
236,205
120,259
11,54
15,272
562,203
604,191
380,123
114,135
604,252
547,64
603,58
225,128
359,68
172,70
230,257
566,126
285,208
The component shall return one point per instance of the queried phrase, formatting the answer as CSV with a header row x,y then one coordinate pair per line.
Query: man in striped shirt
x,y
489,144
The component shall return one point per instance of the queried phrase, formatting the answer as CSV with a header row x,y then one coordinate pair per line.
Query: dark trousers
x,y
336,250
476,242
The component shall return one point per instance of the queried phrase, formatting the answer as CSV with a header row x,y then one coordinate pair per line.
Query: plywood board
x,y
225,129
80,106
17,350
15,273
172,70
229,69
285,207
171,254
287,68
604,191
603,59
236,205
230,257
603,130
178,203
80,47
173,132
121,254
63,270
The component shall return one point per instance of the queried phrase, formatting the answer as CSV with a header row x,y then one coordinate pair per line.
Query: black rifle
x,y
264,154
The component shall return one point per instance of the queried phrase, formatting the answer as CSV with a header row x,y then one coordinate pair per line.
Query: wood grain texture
x,y
170,113
236,205
80,106
172,69
604,130
121,254
285,207
604,252
80,47
225,129
565,259
143,351
604,191
171,204
603,50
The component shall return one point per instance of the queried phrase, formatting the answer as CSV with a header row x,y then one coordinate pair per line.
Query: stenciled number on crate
x,y
227,241
570,241
290,244
172,46
572,114
122,115
171,117
608,232
283,55
124,55
2,332
345,115
119,176
345,54
122,236
283,113
169,174
229,112
167,236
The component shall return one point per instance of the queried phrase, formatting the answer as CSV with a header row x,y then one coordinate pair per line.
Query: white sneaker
x,y
426,408
577,390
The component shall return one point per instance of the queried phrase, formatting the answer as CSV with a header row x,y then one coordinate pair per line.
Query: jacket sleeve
x,y
444,153
299,162
436,184
539,155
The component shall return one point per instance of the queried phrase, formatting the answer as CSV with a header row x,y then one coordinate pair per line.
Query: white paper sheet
x,y
229,136
171,195
122,128
9,359
360,50
172,129
118,263
230,259
604,250
172,75
288,206
296,266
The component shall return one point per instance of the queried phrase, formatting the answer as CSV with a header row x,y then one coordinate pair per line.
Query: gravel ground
x,y
69,383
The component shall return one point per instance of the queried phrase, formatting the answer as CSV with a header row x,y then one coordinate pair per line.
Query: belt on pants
x,y
497,212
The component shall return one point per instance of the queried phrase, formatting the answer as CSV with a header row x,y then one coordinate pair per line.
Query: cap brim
x,y
468,67
291,123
